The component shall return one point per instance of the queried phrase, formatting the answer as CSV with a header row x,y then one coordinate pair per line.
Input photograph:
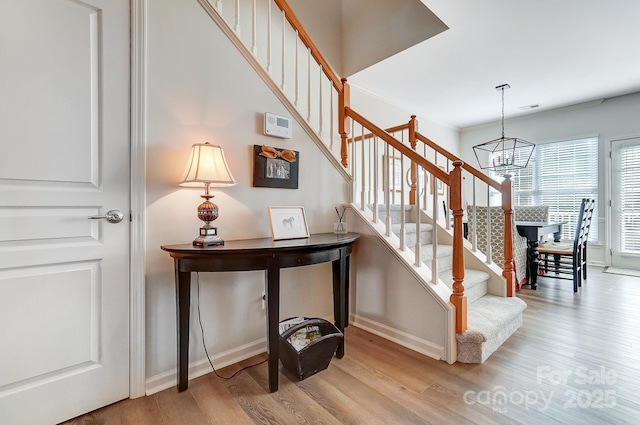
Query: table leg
x,y
273,314
340,270
183,300
532,264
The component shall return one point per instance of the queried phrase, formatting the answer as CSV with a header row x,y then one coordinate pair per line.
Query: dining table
x,y
535,232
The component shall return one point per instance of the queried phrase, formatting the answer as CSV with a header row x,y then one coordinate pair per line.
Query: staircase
x,y
491,319
477,307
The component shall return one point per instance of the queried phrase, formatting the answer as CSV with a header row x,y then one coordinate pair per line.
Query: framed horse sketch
x,y
288,223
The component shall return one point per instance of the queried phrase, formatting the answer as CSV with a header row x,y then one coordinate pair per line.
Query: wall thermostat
x,y
277,125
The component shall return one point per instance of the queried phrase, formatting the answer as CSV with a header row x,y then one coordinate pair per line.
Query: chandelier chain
x,y
502,90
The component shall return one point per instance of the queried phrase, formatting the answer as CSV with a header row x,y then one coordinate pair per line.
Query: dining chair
x,y
478,230
531,212
567,259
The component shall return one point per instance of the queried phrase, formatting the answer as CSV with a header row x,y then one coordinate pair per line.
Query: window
x,y
559,175
629,196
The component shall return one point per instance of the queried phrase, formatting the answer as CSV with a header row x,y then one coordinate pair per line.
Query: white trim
x,y
201,367
404,339
137,258
608,182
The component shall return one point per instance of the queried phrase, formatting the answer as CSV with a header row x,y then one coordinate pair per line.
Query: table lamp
x,y
207,167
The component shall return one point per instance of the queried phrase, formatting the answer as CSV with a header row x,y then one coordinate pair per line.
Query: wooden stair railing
x,y
504,188
454,181
344,113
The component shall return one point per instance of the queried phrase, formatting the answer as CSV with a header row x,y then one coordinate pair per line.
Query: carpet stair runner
x,y
491,319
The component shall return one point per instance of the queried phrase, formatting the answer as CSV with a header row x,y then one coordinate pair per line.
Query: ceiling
x,y
553,53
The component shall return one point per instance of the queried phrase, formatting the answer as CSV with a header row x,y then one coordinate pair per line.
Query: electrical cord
x,y
204,345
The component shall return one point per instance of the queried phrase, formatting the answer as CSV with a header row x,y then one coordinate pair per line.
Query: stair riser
x,y
395,215
444,263
476,292
425,238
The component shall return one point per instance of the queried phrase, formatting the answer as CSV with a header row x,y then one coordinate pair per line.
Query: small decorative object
x,y
340,228
506,152
207,167
275,167
288,223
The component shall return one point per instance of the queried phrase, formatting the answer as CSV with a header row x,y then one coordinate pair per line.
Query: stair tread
x,y
487,316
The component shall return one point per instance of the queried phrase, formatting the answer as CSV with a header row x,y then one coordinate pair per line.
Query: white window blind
x,y
559,175
629,195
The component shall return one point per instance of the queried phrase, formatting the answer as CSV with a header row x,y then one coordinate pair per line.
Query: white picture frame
x,y
288,223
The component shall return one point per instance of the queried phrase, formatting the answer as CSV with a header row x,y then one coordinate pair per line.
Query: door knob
x,y
112,216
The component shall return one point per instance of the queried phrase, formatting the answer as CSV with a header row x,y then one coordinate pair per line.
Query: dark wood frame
x,y
260,164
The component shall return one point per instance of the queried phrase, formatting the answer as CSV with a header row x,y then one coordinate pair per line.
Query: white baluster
x,y
353,165
332,131
374,180
418,259
254,48
388,190
434,232
364,166
284,52
474,237
488,252
269,37
297,84
320,111
308,85
403,232
237,27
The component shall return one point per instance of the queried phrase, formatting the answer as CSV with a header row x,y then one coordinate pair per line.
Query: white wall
x,y
389,300
386,114
374,30
610,119
201,89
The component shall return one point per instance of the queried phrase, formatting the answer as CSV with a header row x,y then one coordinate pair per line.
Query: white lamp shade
x,y
207,164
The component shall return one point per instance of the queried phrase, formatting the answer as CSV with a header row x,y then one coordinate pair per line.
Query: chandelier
x,y
505,152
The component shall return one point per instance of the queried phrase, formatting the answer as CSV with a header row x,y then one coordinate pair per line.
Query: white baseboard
x,y
409,341
201,367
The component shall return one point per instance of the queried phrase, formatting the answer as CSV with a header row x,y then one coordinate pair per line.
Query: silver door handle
x,y
113,216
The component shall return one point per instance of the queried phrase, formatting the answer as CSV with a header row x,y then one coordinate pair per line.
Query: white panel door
x,y
625,203
64,156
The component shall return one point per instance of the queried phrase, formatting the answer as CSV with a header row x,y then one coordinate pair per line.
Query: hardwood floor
x,y
574,361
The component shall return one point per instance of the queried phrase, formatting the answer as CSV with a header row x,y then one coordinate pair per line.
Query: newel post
x,y
413,128
508,271
458,299
344,101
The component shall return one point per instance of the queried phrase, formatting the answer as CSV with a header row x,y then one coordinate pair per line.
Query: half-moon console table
x,y
261,254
